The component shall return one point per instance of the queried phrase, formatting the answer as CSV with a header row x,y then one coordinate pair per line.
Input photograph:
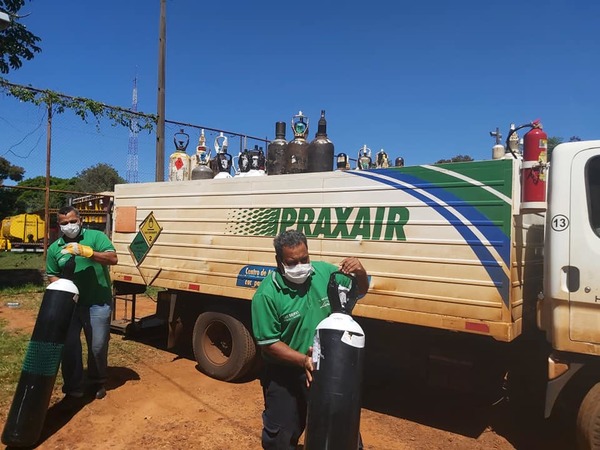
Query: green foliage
x,y
34,200
7,170
82,107
16,42
457,158
98,178
553,141
8,200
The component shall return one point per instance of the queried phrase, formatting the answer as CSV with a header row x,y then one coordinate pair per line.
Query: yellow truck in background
x,y
22,233
497,288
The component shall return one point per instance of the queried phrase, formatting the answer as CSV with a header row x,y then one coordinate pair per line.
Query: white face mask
x,y
297,274
70,230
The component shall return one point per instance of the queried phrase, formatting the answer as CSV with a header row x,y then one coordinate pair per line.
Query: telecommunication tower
x,y
132,150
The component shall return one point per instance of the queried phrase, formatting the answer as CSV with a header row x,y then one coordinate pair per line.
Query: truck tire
x,y
588,421
223,346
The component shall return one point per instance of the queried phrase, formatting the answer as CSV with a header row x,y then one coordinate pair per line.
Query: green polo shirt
x,y
91,278
291,314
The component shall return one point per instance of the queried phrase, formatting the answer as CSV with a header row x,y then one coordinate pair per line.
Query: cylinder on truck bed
x,y
296,154
179,161
276,151
320,150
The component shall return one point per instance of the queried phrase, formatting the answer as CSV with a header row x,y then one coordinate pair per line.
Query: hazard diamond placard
x,y
143,240
150,229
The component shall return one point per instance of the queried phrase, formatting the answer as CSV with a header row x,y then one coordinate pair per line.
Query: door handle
x,y
572,280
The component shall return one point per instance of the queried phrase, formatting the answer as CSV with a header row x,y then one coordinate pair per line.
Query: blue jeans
x,y
95,322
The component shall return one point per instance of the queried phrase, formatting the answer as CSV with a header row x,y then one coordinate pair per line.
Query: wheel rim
x,y
217,343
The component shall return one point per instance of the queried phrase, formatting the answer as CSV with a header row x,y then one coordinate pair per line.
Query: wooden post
x,y
47,193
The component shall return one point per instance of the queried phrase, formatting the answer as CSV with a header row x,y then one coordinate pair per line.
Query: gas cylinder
x,y
320,150
399,162
257,162
296,160
276,151
334,402
341,161
533,169
364,158
179,161
381,160
27,413
201,166
243,163
222,159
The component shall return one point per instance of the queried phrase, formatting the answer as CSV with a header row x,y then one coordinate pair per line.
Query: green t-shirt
x,y
291,315
91,278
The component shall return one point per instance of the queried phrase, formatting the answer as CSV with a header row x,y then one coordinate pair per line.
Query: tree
x,y
16,42
8,196
33,200
99,178
457,158
553,141
7,170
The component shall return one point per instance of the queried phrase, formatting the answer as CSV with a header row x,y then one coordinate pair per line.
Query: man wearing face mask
x,y
286,309
93,252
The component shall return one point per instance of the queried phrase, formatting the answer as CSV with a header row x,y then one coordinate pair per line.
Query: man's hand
x,y
308,366
353,266
74,248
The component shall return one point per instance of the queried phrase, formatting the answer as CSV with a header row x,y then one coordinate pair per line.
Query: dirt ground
x,y
159,400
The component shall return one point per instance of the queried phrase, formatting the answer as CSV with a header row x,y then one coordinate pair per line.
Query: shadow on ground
x,y
20,277
392,388
61,413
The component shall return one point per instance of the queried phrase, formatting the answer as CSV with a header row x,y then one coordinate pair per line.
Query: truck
x,y
22,233
492,261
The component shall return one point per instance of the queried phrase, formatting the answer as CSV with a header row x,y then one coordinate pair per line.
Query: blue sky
x,y
423,80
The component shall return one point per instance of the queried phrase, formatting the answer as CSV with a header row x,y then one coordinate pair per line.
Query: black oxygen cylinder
x,y
320,150
296,160
30,404
276,151
334,401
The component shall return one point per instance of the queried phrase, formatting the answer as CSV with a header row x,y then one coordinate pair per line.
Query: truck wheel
x,y
588,421
223,346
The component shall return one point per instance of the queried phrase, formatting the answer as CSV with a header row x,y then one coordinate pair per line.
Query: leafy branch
x,y
82,107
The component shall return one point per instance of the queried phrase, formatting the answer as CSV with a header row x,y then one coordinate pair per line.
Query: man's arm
x,y
282,352
105,258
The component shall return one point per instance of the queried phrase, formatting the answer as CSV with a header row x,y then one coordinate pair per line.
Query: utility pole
x,y
160,108
47,190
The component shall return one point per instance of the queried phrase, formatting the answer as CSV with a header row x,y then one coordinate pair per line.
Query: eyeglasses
x,y
65,222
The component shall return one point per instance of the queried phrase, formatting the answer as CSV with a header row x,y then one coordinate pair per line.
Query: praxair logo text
x,y
379,223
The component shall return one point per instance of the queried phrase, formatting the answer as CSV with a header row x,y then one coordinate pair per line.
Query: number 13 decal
x,y
560,222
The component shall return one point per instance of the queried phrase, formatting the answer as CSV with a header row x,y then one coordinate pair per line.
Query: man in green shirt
x,y
93,253
286,309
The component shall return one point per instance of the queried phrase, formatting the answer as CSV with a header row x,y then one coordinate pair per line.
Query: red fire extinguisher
x,y
533,170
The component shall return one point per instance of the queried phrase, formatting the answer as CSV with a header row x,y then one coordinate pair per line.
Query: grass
x,y
11,260
13,345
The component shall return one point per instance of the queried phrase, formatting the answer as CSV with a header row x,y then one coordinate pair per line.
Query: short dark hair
x,y
67,209
289,238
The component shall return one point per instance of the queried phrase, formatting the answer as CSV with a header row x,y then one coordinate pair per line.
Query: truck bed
x,y
443,245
